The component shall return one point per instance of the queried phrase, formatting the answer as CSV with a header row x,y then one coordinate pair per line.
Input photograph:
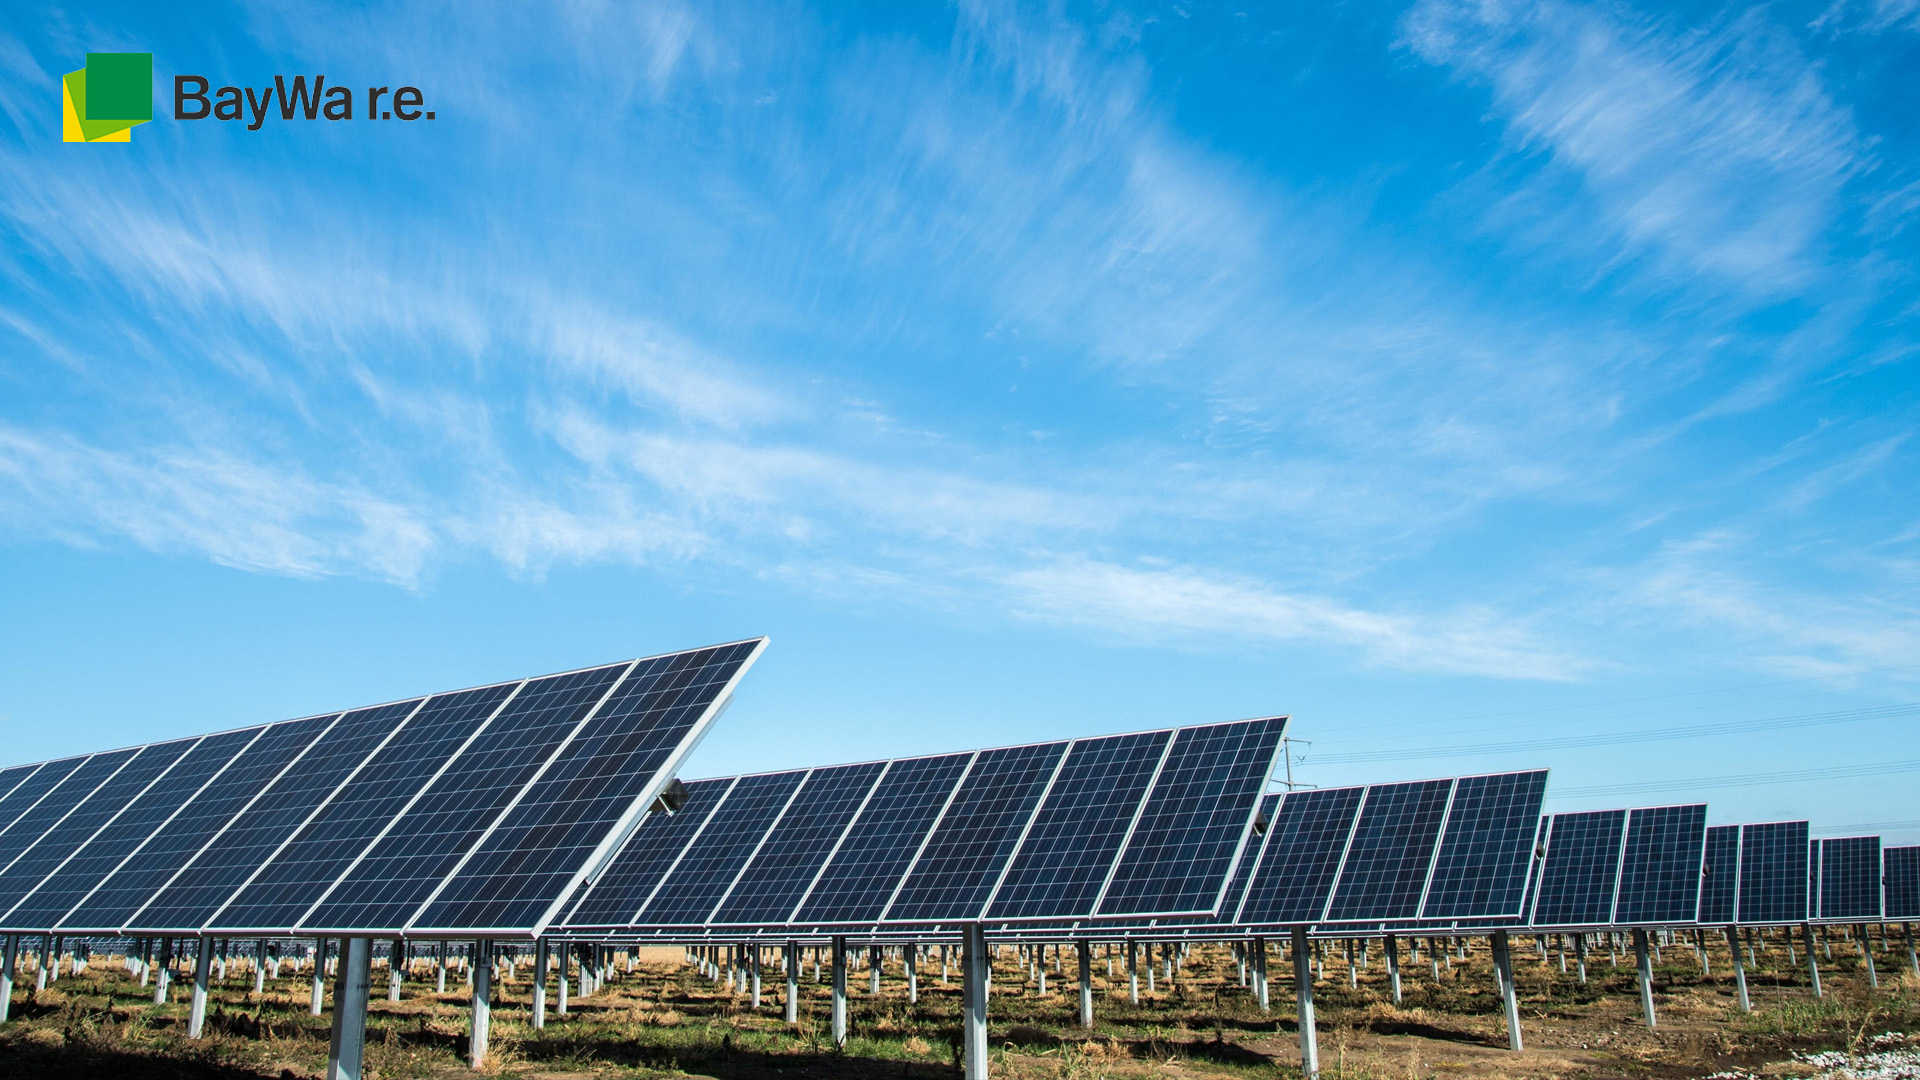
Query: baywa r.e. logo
x,y
104,100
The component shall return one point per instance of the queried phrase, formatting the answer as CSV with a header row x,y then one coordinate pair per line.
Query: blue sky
x,y
1486,386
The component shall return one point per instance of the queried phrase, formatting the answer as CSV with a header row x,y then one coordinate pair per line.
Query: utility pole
x,y
1286,751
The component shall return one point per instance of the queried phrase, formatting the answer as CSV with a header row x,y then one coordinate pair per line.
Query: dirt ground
x,y
665,1019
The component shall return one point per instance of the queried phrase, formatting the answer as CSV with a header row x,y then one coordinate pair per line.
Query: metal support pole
x,y
910,956
1813,965
1739,968
347,1047
46,961
875,961
1260,985
839,950
1303,1003
396,967
1646,975
753,972
440,970
6,975
260,966
1510,997
542,953
1866,952
565,954
1084,949
163,972
1133,971
1393,966
1913,958
1580,955
318,994
974,965
482,968
793,982
202,971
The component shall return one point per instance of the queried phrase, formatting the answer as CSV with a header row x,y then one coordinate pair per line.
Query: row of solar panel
x,y
1150,823
477,809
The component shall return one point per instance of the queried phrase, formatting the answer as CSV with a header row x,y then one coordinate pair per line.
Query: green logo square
x,y
119,86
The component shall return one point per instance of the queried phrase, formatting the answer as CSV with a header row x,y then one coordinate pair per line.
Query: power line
x,y
1838,772
1615,738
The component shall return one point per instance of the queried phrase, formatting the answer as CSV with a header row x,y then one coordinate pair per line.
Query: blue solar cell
x,y
1660,870
1773,873
1720,875
86,865
1850,878
365,805
59,801
857,881
776,878
1070,848
1388,863
1902,878
1302,854
689,892
627,750
1581,873
1194,822
16,791
1485,853
198,889
615,897
962,860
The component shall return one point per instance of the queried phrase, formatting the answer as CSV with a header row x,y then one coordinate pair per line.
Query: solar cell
x,y
88,863
1773,873
770,885
1195,820
359,813
856,882
1485,853
1388,863
197,890
617,894
1850,879
1302,853
957,869
1075,836
1720,875
1582,869
12,781
1660,870
690,890
190,826
59,801
1902,882
576,812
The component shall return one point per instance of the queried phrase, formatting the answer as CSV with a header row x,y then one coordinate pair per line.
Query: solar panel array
x,y
1773,874
1901,875
476,810
1425,851
1639,867
1848,871
1124,826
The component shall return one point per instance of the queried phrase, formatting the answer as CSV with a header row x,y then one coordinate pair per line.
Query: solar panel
x,y
962,860
1308,834
188,829
16,791
691,889
1773,873
859,878
1195,820
1582,869
1902,882
1481,870
571,819
1720,875
58,802
86,864
1388,863
1850,879
614,898
774,881
1250,858
1660,868
1077,832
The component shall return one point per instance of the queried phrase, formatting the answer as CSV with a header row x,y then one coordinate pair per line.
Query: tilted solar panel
x,y
1250,858
1301,855
1773,873
1581,873
1720,875
956,871
690,890
59,802
1902,882
1195,820
617,895
40,780
1387,865
1660,868
858,879
768,887
1078,830
1850,879
1481,870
